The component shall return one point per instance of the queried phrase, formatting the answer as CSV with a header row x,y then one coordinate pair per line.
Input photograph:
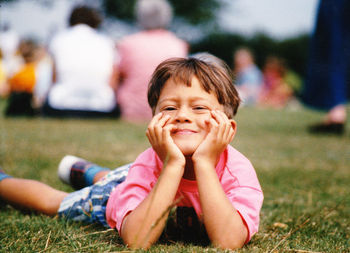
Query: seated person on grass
x,y
191,166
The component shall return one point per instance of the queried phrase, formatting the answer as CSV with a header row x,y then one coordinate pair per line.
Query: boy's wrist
x,y
204,161
207,157
173,169
180,163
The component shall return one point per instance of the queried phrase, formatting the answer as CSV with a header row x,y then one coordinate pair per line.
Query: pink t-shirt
x,y
235,172
140,54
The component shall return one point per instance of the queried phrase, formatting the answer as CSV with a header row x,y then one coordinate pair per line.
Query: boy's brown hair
x,y
213,74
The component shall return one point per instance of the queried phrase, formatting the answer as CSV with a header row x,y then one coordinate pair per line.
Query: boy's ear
x,y
234,125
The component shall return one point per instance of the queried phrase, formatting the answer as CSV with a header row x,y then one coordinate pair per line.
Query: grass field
x,y
305,179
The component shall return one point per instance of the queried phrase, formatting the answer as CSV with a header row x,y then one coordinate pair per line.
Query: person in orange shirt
x,y
22,83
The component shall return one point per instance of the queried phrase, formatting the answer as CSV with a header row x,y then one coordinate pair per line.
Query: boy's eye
x,y
200,108
170,108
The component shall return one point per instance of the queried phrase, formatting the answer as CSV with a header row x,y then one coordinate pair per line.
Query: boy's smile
x,y
189,110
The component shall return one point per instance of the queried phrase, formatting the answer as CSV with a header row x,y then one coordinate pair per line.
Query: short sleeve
x,y
242,187
128,195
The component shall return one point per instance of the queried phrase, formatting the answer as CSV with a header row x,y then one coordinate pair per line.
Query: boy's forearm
x,y
143,226
223,223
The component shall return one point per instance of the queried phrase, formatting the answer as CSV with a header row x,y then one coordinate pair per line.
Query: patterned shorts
x,y
89,203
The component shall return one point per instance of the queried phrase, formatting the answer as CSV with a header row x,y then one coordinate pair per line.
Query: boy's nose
x,y
182,115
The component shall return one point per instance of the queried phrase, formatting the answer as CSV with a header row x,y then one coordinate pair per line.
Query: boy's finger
x,y
225,126
167,130
216,115
213,124
163,120
159,126
154,120
221,116
225,122
151,129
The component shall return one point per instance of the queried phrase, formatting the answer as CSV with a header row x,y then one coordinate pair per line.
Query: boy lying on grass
x,y
190,165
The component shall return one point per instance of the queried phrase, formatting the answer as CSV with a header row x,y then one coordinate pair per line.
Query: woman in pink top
x,y
141,53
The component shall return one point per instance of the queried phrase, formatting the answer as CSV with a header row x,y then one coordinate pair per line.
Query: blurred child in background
x,y
248,76
280,84
21,83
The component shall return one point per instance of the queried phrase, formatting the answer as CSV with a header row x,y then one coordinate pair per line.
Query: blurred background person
x,y
21,83
9,42
248,76
327,83
84,72
3,78
280,85
141,53
43,78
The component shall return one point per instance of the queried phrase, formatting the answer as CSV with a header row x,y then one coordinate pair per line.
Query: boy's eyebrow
x,y
175,99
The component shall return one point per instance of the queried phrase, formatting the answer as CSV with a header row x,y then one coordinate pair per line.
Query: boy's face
x,y
189,109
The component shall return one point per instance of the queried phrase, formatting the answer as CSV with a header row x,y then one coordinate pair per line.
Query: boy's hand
x,y
158,134
221,133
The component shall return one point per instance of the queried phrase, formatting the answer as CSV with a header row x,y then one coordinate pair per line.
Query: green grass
x,y
305,180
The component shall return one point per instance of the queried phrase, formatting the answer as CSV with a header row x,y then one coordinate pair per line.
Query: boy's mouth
x,y
183,131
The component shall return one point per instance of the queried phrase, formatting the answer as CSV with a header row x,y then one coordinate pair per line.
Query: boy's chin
x,y
187,152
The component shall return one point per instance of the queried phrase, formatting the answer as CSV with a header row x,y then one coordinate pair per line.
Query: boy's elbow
x,y
231,244
230,241
134,243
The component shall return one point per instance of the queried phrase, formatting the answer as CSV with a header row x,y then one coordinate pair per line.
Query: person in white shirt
x,y
84,69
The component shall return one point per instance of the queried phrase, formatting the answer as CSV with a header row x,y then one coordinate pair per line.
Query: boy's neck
x,y
189,171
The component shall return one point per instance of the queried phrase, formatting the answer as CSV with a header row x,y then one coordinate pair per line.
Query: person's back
x,y
84,62
80,50
140,54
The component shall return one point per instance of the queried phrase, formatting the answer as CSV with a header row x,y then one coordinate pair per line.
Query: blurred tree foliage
x,y
293,50
220,43
192,11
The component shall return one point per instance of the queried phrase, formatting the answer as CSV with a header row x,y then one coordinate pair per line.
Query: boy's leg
x,y
3,175
80,173
31,194
89,204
